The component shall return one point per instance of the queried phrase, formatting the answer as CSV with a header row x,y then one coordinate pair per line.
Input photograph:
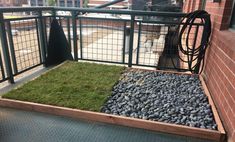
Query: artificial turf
x,y
73,84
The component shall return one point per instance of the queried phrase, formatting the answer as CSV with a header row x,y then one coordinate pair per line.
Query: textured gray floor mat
x,y
26,126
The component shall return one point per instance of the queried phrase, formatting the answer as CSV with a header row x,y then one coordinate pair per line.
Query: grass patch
x,y
75,85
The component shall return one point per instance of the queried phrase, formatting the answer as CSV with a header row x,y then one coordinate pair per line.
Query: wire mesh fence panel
x,y
47,23
102,39
26,47
151,43
2,68
158,44
65,23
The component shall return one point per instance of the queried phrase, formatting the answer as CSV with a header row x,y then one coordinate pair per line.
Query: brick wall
x,y
219,70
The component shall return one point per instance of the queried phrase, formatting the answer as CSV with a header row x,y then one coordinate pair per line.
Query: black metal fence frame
x,y
8,65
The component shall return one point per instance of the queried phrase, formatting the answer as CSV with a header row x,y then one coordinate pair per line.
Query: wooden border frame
x,y
218,136
214,110
114,119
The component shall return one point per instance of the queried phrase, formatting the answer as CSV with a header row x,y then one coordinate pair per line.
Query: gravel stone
x,y
164,97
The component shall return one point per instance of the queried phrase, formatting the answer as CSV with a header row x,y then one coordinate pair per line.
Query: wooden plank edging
x,y
162,71
114,119
214,110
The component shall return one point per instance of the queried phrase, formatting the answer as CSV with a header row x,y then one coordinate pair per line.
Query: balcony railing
x,y
115,36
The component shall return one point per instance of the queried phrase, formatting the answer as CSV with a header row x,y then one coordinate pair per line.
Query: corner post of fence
x,y
124,42
53,13
80,37
132,29
138,43
43,44
74,24
11,46
5,50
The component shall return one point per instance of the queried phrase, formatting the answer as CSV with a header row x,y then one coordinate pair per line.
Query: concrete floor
x,y
25,126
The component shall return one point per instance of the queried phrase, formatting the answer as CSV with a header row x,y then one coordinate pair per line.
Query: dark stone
x,y
161,97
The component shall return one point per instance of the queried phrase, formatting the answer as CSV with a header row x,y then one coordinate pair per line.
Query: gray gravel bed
x,y
164,97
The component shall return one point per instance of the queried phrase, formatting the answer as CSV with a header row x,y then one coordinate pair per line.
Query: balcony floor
x,y
24,126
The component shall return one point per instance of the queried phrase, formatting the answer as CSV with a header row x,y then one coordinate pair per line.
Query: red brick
x,y
226,69
225,85
232,139
220,61
231,115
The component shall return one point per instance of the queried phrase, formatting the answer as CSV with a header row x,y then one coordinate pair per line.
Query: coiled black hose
x,y
195,54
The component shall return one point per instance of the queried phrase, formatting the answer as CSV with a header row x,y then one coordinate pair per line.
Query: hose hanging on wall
x,y
195,54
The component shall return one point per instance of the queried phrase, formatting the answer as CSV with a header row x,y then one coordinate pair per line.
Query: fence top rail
x,y
127,12
93,10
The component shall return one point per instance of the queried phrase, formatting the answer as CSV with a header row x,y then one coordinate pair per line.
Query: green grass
x,y
75,85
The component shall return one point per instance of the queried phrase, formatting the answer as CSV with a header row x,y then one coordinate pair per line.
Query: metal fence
x,y
114,36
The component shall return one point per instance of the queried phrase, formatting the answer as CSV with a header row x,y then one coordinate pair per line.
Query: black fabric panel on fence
x,y
58,47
